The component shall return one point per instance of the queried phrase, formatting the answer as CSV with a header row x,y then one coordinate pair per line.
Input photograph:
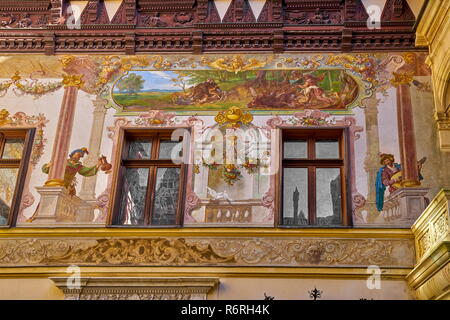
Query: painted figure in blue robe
x,y
389,176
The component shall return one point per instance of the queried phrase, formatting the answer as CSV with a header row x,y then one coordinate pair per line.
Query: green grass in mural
x,y
143,98
215,89
164,100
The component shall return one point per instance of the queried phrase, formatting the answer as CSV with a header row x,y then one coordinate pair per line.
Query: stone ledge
x,y
135,288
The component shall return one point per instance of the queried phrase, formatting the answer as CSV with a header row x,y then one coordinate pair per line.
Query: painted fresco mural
x,y
213,83
199,90
215,95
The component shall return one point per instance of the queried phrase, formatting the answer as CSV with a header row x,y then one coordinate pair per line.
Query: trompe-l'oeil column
x,y
87,192
406,137
72,83
403,206
56,204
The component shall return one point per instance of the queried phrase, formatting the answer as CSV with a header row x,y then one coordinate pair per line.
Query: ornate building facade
x,y
203,149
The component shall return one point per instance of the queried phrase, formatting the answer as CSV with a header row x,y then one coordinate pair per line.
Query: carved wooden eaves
x,y
48,26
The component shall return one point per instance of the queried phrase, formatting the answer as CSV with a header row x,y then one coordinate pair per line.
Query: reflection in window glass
x,y
295,196
133,196
8,179
166,196
165,149
327,149
140,149
328,196
295,149
13,149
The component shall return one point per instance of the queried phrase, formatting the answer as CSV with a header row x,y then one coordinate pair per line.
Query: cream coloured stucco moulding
x,y
137,288
207,251
432,32
433,226
431,276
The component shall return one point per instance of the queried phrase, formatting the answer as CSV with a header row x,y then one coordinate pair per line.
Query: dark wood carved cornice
x,y
140,26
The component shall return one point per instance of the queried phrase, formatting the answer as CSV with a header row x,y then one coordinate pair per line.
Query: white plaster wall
x,y
297,289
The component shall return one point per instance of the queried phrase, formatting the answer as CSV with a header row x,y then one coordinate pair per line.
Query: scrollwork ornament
x,y
200,251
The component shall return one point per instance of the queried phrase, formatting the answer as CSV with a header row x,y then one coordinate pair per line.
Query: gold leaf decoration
x,y
236,63
402,78
73,80
233,117
4,114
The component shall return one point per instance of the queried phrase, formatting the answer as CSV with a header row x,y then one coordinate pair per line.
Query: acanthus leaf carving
x,y
207,251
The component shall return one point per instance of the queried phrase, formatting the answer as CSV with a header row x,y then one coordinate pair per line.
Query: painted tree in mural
x,y
217,89
131,84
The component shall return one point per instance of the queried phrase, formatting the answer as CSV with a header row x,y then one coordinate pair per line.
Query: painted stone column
x,y
64,131
406,137
371,164
88,184
56,205
402,207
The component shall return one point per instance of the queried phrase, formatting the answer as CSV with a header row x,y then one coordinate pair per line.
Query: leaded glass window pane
x,y
133,196
140,149
295,196
327,149
328,196
166,196
166,147
295,149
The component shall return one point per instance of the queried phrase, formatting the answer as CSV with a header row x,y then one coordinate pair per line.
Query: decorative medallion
x,y
233,118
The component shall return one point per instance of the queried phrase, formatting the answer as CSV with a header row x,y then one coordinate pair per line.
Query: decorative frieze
x,y
293,252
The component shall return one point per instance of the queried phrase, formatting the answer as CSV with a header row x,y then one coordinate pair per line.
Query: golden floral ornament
x,y
4,114
410,58
16,77
28,86
73,80
233,117
363,65
160,63
67,60
402,78
236,63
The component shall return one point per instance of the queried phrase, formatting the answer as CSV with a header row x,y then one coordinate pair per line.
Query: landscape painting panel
x,y
218,89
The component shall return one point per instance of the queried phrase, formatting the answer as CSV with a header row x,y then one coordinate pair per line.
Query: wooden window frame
x,y
311,163
158,135
27,135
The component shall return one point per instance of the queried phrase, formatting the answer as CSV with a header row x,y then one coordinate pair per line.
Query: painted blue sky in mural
x,y
156,81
